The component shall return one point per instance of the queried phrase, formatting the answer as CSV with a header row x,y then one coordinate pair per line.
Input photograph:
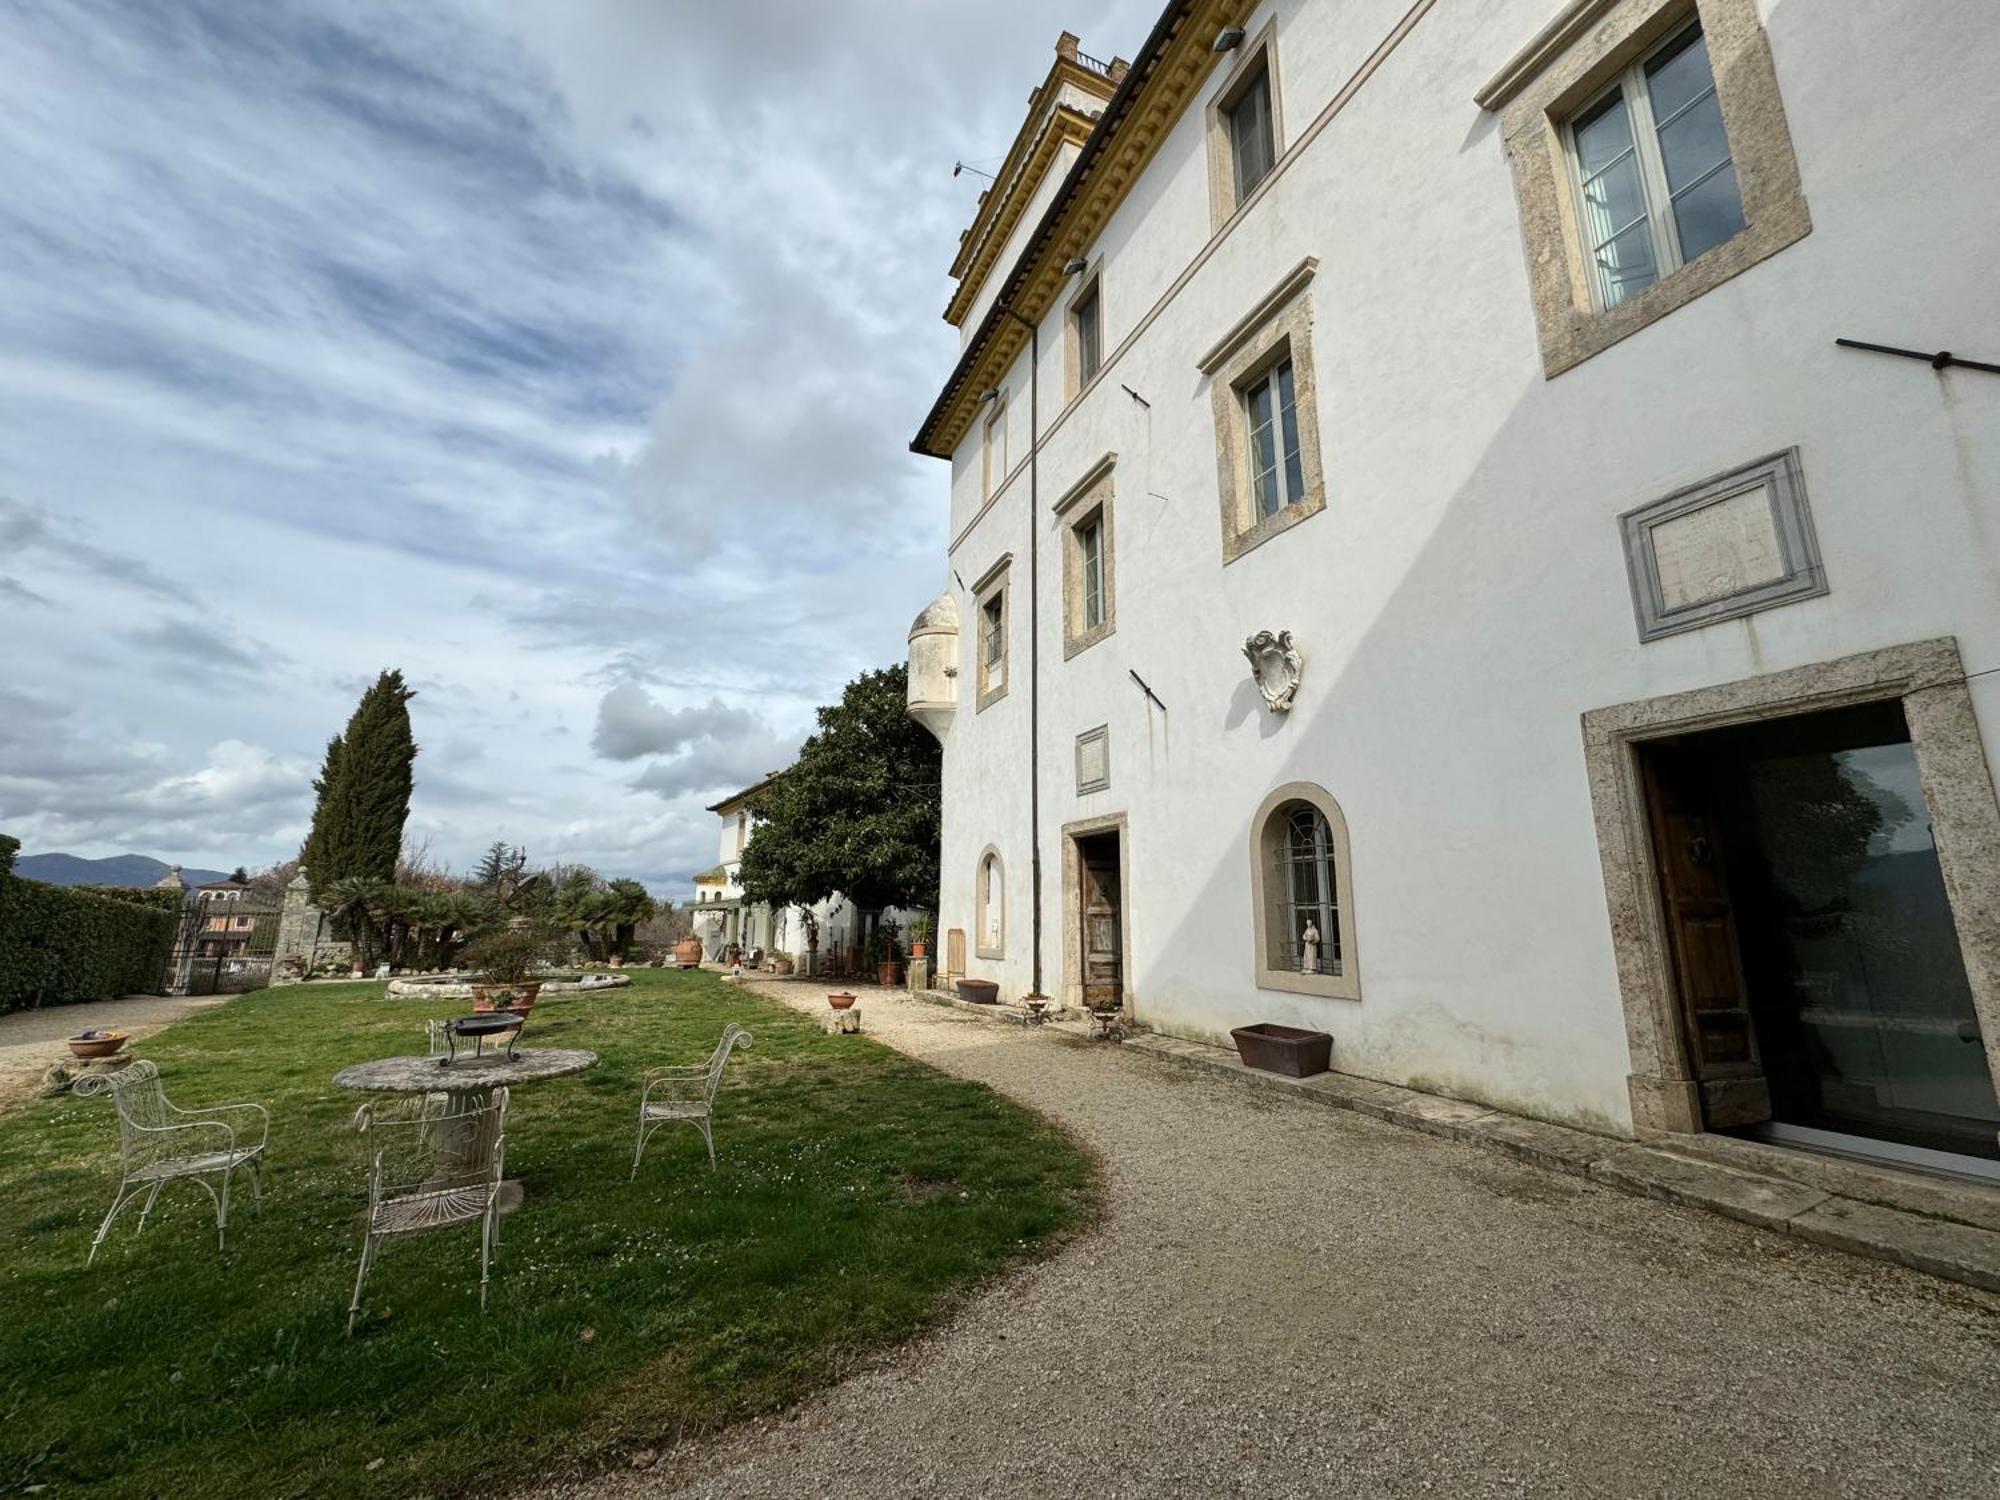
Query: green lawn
x,y
859,1193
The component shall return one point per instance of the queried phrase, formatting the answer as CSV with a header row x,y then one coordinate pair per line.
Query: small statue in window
x,y
1309,942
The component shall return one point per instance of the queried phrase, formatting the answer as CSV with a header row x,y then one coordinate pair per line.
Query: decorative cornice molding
x,y
1543,48
1164,79
992,574
1003,210
1289,286
1083,487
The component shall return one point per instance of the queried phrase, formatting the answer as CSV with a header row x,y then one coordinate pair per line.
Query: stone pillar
x,y
920,975
298,931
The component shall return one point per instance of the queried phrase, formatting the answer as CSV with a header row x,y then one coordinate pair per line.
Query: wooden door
x,y
1701,935
1103,959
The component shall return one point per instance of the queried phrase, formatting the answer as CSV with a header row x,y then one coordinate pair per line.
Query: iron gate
x,y
223,945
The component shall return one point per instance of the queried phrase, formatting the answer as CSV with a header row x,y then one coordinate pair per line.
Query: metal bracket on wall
x,y
1944,359
1146,690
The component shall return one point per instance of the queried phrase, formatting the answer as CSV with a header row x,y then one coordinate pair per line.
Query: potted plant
x,y
96,1042
502,961
921,927
888,963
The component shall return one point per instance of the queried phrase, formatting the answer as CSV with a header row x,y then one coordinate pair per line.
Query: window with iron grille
x,y
1306,887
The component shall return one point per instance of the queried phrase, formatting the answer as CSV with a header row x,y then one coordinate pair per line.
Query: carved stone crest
x,y
1275,665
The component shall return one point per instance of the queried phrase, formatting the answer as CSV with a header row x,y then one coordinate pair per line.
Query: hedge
x,y
61,945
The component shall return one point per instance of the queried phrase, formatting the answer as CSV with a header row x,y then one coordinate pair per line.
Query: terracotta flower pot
x,y
841,1000
687,953
97,1044
920,950
518,998
890,974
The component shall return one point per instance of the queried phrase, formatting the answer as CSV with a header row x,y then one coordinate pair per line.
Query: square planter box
x,y
979,991
1289,1050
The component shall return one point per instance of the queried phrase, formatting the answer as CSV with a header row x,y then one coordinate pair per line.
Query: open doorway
x,y
1823,995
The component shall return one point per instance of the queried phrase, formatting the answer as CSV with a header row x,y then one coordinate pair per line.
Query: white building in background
x,y
722,918
1405,484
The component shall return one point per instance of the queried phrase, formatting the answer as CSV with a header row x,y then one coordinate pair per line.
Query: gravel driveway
x,y
32,1039
1288,1300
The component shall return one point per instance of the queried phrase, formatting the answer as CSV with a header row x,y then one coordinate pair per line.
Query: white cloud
x,y
535,350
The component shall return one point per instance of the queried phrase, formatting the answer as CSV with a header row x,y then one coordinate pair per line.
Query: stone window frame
x,y
983,895
1783,476
1928,678
1090,498
1254,53
1264,826
1090,285
1100,735
992,476
991,585
1278,327
1569,63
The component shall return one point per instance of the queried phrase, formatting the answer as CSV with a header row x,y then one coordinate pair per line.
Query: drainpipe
x,y
1034,634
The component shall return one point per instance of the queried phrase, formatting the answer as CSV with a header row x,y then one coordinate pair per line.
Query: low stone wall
x,y
459,986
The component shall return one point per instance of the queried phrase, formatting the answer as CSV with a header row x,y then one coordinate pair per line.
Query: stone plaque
x,y
1093,759
1727,547
1719,550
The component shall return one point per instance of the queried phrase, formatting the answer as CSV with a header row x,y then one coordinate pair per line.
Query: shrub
x,y
505,956
58,945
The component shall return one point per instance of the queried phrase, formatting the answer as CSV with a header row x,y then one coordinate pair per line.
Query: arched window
x,y
990,932
1303,885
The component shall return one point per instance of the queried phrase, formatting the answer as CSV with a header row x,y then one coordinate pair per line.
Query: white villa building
x,y
1428,566
722,918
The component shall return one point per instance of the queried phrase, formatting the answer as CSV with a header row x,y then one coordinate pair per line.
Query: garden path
x,y
1287,1300
32,1039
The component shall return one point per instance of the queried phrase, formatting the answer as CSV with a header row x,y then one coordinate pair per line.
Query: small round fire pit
x,y
477,1028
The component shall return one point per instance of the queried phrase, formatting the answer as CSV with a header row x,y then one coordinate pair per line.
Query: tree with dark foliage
x,y
858,812
364,791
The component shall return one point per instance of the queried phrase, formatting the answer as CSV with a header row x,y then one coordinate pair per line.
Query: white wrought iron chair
x,y
686,1093
436,1161
159,1142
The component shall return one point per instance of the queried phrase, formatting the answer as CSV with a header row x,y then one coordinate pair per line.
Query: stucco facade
x,y
1459,588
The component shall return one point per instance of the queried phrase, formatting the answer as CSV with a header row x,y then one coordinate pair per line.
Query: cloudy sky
x,y
561,354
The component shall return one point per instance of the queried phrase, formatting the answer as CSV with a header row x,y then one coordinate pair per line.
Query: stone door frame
x,y
1072,899
1928,678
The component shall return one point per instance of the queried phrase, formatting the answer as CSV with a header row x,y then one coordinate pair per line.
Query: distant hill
x,y
118,869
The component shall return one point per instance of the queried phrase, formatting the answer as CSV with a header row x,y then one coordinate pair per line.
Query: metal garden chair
x,y
159,1142
686,1093
435,1162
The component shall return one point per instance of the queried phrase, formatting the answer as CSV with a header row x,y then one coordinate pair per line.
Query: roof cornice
x,y
1001,211
1163,80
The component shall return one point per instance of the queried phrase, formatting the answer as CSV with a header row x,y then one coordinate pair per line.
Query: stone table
x,y
469,1082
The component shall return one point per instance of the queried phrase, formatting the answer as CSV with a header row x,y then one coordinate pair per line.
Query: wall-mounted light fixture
x,y
1228,39
991,393
1075,264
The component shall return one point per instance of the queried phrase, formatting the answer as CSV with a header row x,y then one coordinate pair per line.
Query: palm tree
x,y
352,902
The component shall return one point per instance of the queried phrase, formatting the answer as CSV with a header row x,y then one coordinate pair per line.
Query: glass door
x,y
1858,994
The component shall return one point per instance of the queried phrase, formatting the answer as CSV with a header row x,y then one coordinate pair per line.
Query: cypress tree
x,y
364,791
